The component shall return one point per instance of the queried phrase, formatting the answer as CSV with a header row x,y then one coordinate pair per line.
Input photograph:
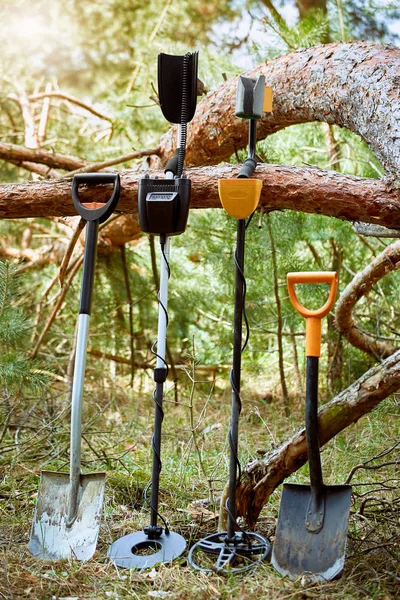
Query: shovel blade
x,y
51,539
296,551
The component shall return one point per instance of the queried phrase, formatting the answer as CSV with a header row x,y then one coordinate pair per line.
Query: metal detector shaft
x,y
160,376
80,362
236,369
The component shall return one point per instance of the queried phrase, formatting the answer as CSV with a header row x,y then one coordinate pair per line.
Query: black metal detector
x,y
163,210
69,505
234,551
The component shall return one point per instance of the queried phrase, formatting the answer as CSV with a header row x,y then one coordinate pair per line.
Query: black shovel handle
x,y
94,211
314,459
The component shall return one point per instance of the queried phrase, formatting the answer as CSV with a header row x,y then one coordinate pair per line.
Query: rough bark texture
x,y
335,345
302,189
362,284
18,154
261,477
353,85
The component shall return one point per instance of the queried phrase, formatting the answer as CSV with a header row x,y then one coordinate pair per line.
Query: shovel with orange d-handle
x,y
313,519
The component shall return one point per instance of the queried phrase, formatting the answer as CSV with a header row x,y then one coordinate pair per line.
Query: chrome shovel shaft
x,y
76,416
79,368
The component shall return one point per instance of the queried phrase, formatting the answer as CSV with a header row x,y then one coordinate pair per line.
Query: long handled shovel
x,y
313,519
69,505
163,210
234,551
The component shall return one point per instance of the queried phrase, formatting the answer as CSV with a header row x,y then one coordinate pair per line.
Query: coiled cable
x,y
184,114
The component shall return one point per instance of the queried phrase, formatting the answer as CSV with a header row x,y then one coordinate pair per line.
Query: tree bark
x,y
362,284
334,338
261,477
296,188
353,85
18,154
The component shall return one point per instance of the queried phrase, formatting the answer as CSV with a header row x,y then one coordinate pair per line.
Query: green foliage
x,y
16,371
313,29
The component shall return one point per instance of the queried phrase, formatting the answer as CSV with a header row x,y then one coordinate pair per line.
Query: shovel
x,y
313,519
69,505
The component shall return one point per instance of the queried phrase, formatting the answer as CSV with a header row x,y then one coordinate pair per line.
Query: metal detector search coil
x,y
163,205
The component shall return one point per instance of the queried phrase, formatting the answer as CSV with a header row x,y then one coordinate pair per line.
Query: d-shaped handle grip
x,y
95,211
313,323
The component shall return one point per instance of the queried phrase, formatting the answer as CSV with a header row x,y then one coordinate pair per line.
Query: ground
x,y
118,438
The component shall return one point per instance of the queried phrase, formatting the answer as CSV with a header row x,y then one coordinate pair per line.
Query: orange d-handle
x,y
314,317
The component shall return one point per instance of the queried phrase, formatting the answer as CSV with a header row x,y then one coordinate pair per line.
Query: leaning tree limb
x,y
262,476
71,99
353,85
361,285
19,154
301,189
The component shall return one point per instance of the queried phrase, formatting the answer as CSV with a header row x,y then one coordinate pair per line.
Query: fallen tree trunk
x,y
301,189
262,476
353,85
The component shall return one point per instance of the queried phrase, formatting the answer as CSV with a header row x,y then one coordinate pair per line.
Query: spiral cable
x,y
157,403
184,113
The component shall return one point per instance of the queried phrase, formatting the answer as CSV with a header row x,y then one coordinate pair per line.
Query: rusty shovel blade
x,y
296,550
50,538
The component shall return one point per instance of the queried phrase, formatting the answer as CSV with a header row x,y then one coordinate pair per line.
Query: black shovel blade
x,y
297,551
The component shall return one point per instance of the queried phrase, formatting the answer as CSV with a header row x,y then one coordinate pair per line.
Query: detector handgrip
x,y
95,211
247,169
313,324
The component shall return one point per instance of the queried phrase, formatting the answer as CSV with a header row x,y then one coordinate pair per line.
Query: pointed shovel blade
x,y
51,539
296,551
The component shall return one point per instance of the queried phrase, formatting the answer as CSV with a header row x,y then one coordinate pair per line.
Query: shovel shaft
x,y
80,363
89,261
314,459
236,368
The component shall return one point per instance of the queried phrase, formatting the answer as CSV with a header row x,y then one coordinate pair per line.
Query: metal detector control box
x,y
163,205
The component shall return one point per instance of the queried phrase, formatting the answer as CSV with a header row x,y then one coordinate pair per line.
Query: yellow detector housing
x,y
239,197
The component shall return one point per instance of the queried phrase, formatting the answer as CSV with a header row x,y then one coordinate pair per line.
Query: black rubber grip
x,y
89,263
102,213
247,169
172,164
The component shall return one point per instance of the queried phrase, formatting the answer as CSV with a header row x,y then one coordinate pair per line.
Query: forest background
x,y
79,80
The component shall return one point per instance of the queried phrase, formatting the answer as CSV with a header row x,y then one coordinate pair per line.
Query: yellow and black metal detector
x,y
236,550
313,519
163,211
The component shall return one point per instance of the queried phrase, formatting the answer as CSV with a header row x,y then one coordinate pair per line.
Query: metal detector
x,y
313,519
237,550
69,505
163,210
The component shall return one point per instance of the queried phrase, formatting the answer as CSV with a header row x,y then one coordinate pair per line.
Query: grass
x,y
118,438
